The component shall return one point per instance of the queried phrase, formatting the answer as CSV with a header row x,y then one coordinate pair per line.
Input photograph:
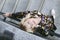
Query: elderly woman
x,y
34,21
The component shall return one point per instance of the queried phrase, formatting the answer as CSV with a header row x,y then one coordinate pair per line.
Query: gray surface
x,y
47,6
1,4
19,34
57,19
34,5
8,6
22,5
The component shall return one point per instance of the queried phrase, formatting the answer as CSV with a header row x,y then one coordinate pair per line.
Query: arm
x,y
20,14
15,15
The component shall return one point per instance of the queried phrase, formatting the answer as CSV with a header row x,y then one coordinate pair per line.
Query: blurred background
x,y
44,6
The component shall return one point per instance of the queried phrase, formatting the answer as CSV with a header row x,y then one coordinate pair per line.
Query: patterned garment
x,y
46,24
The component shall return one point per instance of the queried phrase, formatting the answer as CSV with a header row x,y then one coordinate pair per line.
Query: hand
x,y
7,14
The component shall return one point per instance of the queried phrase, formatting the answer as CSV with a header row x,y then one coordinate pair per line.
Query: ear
x,y
53,13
